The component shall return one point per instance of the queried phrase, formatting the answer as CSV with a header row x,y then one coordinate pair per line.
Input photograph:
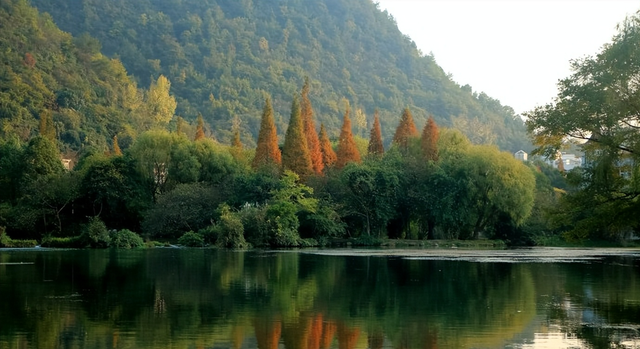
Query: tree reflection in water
x,y
206,298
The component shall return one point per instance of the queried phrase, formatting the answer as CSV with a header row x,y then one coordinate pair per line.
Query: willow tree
x,y
295,153
405,130
347,150
313,143
376,148
267,150
429,140
329,156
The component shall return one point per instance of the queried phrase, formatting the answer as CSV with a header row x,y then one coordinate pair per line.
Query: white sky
x,y
513,50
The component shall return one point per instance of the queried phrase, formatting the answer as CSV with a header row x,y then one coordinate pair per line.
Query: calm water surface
x,y
197,298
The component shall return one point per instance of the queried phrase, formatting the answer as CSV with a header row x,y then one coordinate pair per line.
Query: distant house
x,y
569,161
68,164
521,155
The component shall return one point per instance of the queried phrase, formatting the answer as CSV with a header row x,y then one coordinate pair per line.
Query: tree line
x,y
303,191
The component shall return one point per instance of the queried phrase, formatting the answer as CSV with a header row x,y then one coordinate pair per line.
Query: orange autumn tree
x,y
116,147
406,129
267,150
375,148
295,154
267,333
347,336
429,140
329,156
199,129
347,150
315,332
313,143
329,329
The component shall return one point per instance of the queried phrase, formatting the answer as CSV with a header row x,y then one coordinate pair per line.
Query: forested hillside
x,y
223,57
65,89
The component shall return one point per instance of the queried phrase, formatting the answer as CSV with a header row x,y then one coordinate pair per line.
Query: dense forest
x,y
224,57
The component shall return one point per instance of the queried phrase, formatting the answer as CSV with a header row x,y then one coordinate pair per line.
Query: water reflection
x,y
168,298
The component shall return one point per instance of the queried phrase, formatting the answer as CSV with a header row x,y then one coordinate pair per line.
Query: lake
x,y
312,299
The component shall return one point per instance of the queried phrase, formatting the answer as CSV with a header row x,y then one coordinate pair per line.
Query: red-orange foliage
x,y
116,147
347,150
267,333
199,129
329,156
406,129
313,143
376,148
29,60
295,154
347,336
429,140
315,333
328,332
267,150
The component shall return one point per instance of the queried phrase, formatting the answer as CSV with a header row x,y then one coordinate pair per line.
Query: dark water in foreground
x,y
192,298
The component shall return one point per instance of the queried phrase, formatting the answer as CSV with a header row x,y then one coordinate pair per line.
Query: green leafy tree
x,y
370,194
152,152
496,183
598,104
160,106
188,207
286,203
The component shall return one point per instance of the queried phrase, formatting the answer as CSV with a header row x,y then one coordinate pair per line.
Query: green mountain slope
x,y
46,72
223,57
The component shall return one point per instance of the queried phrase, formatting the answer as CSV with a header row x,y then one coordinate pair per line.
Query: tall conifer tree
x,y
406,129
328,155
236,146
116,147
267,150
295,154
376,148
199,128
237,143
347,150
429,140
313,143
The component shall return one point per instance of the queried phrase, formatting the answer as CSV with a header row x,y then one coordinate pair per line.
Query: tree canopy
x,y
597,107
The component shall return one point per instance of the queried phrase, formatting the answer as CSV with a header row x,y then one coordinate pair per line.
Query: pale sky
x,y
513,50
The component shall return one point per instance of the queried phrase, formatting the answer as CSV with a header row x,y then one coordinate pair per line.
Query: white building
x,y
521,155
